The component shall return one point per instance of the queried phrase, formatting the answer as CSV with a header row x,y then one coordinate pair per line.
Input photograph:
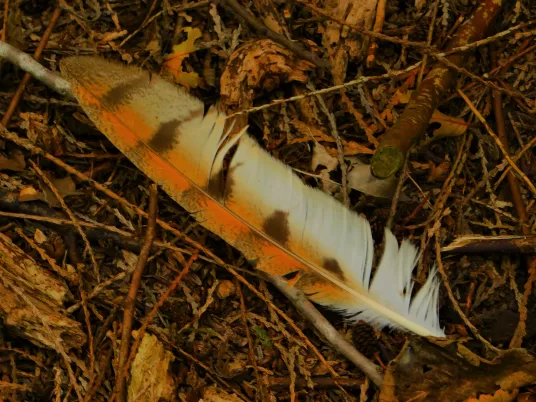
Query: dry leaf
x,y
322,157
439,172
360,178
215,394
16,163
39,237
225,289
150,379
499,396
450,126
128,262
353,148
173,62
65,186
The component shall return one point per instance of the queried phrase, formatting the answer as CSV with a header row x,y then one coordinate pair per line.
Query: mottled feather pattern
x,y
261,208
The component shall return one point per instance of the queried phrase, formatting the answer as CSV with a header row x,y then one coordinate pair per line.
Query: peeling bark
x,y
31,301
412,124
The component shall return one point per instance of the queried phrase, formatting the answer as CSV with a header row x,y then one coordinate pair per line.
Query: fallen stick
x,y
491,244
413,122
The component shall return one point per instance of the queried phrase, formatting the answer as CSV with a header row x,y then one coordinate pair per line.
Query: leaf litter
x,y
198,343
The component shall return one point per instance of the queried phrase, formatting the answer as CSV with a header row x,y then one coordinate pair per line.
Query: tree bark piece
x,y
410,126
32,301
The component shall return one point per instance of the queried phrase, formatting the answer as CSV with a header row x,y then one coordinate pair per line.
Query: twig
x,y
378,26
282,383
470,244
304,306
396,196
487,40
428,41
357,81
498,142
260,380
517,198
37,55
135,283
453,299
71,216
4,23
340,150
141,332
33,68
276,37
413,122
96,383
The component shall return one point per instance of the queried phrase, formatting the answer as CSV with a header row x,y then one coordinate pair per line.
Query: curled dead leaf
x,y
259,65
173,62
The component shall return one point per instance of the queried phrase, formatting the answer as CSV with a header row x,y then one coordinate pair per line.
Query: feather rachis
x,y
267,212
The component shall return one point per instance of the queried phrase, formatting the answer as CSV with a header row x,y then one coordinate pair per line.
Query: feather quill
x,y
257,205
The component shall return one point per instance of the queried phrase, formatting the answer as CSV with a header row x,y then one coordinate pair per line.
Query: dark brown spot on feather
x,y
216,185
168,133
332,265
276,226
230,181
165,137
122,93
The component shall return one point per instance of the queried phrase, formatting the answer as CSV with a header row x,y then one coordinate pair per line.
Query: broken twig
x,y
413,122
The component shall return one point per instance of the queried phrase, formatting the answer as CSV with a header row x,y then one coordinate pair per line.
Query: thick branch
x,y
412,124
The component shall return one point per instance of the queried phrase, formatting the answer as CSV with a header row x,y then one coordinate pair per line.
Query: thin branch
x,y
31,66
276,37
412,124
498,142
306,308
37,56
135,283
141,333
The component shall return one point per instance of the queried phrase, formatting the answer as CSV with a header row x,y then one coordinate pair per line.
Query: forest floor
x,y
212,329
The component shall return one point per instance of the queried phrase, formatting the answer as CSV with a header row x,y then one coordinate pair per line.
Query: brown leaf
x,y
65,186
215,394
444,375
16,163
150,376
173,62
259,65
360,178
438,172
499,396
322,157
450,126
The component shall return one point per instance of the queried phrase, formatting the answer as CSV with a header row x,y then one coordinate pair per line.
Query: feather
x,y
257,204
